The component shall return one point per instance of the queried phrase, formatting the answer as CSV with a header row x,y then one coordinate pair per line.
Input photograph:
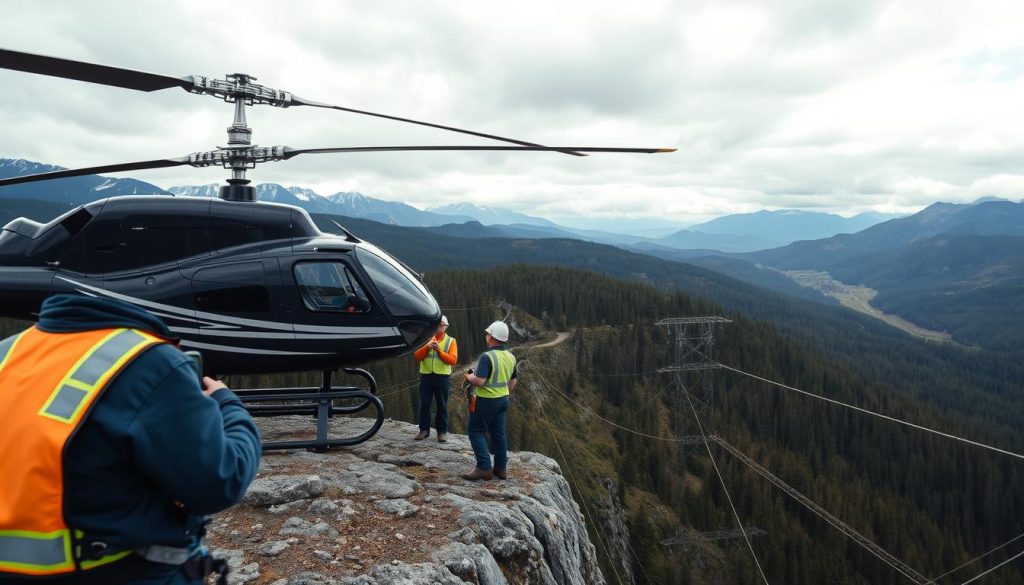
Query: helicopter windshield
x,y
329,286
402,292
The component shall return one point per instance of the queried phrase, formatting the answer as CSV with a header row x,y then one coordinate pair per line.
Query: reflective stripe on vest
x,y
503,363
50,381
433,364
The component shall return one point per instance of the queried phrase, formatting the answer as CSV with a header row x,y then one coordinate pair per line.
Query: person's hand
x,y
434,345
210,385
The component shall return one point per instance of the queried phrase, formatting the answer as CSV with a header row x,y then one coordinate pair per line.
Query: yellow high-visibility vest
x,y
503,363
433,364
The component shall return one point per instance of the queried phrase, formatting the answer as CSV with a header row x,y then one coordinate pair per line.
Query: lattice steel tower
x,y
694,341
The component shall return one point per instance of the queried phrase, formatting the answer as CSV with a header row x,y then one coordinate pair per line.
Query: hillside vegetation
x,y
933,502
597,404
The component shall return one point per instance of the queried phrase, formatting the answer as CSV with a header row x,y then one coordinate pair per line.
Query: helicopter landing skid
x,y
318,402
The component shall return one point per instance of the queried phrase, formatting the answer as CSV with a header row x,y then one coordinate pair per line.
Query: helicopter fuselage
x,y
255,287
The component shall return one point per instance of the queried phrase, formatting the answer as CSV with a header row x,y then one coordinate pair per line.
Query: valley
x,y
858,298
584,314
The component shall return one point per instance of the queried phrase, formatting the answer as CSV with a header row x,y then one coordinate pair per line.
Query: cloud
x,y
845,107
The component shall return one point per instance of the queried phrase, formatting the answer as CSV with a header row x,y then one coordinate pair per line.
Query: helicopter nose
x,y
403,294
416,333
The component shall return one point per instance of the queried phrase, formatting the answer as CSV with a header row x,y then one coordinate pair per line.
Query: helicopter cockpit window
x,y
330,286
402,292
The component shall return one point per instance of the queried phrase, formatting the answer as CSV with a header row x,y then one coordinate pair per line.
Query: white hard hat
x,y
498,330
444,319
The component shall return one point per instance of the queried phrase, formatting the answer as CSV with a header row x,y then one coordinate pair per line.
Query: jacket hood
x,y
67,313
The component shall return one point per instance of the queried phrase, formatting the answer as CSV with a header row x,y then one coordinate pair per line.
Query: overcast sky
x,y
840,106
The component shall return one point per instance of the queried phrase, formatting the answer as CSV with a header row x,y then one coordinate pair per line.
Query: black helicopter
x,y
255,287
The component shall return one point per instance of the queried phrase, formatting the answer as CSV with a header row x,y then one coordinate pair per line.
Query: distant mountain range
x,y
983,218
957,268
73,190
491,215
736,233
349,204
781,225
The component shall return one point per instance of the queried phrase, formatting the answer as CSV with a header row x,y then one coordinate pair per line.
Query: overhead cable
x,y
1013,558
977,558
735,514
872,413
591,412
883,555
582,499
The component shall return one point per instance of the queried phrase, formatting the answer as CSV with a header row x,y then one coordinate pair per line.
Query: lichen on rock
x,y
395,511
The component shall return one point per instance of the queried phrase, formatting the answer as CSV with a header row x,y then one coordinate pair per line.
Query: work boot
x,y
442,437
500,473
479,474
421,436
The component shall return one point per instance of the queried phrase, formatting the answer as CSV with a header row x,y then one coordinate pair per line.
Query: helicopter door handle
x,y
53,264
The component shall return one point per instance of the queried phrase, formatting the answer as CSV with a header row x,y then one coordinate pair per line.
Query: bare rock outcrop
x,y
612,519
395,511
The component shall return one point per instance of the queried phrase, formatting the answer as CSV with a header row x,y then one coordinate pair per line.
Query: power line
x,y
892,561
978,558
591,412
407,386
872,413
1013,558
824,514
623,375
657,394
889,559
607,551
721,480
582,499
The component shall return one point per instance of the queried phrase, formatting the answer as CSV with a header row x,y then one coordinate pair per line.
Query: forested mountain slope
x,y
862,343
597,405
933,502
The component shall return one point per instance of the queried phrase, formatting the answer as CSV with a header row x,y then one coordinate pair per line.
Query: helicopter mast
x,y
239,142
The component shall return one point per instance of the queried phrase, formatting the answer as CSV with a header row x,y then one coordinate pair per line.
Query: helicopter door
x,y
238,307
332,310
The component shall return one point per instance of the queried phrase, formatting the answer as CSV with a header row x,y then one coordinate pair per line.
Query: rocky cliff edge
x,y
395,511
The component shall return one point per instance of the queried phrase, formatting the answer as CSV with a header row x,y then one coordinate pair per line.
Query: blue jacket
x,y
155,455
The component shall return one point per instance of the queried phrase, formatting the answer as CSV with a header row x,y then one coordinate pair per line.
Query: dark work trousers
x,y
489,418
434,387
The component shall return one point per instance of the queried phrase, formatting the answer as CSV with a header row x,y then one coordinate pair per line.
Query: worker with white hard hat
x,y
436,359
495,376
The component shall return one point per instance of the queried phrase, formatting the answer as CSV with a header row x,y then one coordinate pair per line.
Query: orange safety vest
x,y
48,385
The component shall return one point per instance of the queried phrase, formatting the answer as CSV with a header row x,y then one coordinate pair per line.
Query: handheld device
x,y
196,360
470,391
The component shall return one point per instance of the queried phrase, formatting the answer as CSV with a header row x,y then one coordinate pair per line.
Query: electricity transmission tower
x,y
693,342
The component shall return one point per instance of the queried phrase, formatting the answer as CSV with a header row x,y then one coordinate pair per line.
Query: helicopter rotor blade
x,y
292,152
133,166
90,72
228,89
297,101
256,155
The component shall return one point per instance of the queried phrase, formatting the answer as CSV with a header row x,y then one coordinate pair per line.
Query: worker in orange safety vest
x,y
114,451
436,359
